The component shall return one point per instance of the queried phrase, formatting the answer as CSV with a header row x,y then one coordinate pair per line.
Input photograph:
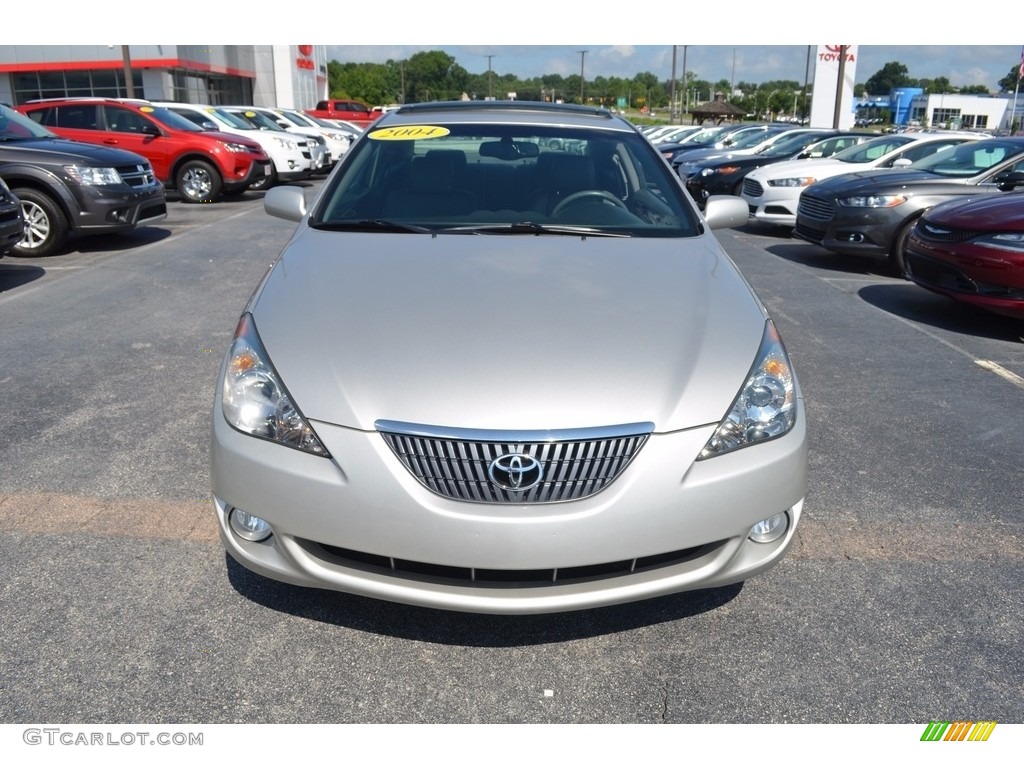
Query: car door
x,y
131,130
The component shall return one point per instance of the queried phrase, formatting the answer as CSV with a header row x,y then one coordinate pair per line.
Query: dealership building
x,y
293,76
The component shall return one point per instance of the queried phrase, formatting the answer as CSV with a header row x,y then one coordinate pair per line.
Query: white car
x,y
267,119
290,163
772,193
338,139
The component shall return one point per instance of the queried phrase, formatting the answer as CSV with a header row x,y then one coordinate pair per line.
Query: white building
x,y
293,76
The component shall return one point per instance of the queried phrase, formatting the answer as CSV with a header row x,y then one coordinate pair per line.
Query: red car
x,y
200,165
973,251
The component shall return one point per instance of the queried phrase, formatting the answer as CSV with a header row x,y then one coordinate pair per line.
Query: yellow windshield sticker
x,y
409,133
145,109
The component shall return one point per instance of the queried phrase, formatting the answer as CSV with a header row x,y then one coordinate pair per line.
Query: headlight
x,y
286,143
1006,241
255,401
794,181
93,177
766,406
873,201
233,147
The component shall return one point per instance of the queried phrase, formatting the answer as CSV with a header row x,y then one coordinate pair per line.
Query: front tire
x,y
898,252
265,182
46,226
198,182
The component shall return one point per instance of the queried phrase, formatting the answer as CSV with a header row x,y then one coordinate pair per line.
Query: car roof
x,y
505,112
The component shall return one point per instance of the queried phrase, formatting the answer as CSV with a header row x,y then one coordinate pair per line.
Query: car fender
x,y
19,174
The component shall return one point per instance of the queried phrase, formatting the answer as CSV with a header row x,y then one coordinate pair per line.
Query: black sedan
x,y
972,250
722,173
871,213
12,222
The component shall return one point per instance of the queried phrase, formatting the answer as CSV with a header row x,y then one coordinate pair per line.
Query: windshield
x,y
790,145
171,119
872,150
485,178
970,158
231,119
258,119
15,126
707,135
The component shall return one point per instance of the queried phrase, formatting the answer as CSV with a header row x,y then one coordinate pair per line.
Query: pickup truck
x,y
345,109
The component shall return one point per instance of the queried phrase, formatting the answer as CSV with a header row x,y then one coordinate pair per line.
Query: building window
x,y
79,82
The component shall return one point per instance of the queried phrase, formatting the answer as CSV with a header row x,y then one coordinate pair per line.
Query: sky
x,y
742,40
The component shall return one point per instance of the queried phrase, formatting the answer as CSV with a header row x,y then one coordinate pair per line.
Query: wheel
x,y
575,197
198,182
897,254
265,182
46,226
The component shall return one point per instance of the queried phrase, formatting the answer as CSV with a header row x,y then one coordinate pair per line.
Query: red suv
x,y
200,165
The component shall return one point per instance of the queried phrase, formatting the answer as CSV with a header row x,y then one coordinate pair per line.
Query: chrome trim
x,y
512,435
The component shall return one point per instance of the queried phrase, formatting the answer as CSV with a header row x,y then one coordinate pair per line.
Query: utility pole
x,y
839,87
129,79
672,89
490,92
582,55
684,82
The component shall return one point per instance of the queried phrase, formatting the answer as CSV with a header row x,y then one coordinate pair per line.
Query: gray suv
x,y
69,188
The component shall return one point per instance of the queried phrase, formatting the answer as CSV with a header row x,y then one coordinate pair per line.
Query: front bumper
x,y
242,179
107,209
848,231
361,523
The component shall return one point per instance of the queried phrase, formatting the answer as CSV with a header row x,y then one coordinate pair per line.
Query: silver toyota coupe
x,y
504,366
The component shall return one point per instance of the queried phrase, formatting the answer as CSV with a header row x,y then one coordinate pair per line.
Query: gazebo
x,y
718,111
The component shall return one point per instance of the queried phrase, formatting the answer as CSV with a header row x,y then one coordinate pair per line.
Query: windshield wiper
x,y
532,228
370,225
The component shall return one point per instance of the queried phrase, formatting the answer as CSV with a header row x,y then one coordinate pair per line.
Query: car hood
x,y
988,212
66,151
823,167
878,180
508,332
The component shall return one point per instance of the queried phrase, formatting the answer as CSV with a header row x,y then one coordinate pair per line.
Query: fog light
x,y
249,527
769,529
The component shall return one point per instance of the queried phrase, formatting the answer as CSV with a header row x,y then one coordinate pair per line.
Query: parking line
x,y
998,370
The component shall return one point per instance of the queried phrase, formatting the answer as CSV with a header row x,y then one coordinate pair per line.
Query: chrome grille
x,y
457,464
137,175
815,207
752,187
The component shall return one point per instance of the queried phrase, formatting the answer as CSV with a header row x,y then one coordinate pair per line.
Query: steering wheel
x,y
575,197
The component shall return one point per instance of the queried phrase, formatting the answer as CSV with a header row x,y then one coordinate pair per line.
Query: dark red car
x,y
973,251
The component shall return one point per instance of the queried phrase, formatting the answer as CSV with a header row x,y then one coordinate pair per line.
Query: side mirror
x,y
1006,182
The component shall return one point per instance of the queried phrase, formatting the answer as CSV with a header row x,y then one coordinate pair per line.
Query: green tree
x,y
937,85
892,75
1009,82
977,90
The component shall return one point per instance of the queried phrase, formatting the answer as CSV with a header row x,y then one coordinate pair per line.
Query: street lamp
x,y
490,93
582,55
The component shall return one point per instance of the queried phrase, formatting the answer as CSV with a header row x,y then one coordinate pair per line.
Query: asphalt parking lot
x,y
899,603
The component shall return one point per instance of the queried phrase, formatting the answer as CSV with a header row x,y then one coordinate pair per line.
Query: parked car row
x,y
67,188
945,210
88,165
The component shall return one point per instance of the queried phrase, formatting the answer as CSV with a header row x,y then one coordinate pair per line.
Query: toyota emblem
x,y
515,472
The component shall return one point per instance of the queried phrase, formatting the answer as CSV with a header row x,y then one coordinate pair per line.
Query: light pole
x,y
490,93
582,55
